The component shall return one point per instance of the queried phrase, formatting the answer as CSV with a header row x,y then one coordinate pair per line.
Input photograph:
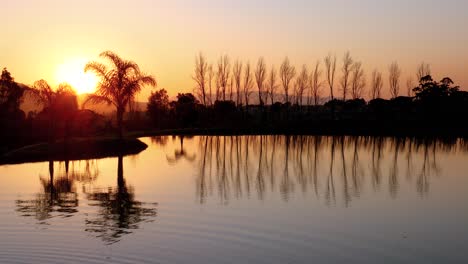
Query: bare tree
x,y
315,83
210,82
330,67
302,83
237,72
424,69
347,68
358,80
287,73
409,86
247,83
201,70
231,86
224,68
271,84
260,75
376,84
394,79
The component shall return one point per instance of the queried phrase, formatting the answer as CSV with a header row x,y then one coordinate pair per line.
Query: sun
x,y
72,72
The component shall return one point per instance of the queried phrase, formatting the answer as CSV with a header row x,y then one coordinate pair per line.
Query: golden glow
x,y
72,72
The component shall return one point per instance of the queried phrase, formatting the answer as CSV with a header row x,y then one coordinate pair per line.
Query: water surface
x,y
243,199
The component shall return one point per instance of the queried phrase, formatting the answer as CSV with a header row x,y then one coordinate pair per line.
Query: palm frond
x,y
96,99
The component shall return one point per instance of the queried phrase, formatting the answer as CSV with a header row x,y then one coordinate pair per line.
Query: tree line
x,y
244,83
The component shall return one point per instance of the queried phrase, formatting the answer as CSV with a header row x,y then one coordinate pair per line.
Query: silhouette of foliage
x,y
118,84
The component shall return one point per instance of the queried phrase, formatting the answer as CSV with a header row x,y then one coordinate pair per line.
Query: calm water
x,y
255,199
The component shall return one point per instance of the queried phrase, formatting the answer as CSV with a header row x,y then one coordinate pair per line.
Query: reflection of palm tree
x,y
180,154
57,196
119,212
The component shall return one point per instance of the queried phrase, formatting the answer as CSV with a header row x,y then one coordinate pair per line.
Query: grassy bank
x,y
74,149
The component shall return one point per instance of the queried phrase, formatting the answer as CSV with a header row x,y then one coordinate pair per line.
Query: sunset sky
x,y
163,37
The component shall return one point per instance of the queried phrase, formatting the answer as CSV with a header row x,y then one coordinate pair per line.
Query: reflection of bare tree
x,y
330,191
119,213
393,176
180,154
260,179
58,197
377,145
286,160
159,140
286,185
356,170
346,194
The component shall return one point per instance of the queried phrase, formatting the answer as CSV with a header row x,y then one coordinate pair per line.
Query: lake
x,y
243,199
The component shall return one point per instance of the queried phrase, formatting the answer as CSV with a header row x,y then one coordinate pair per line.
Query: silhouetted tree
x,y
376,84
409,86
394,79
271,84
260,75
119,83
158,106
358,80
330,67
287,73
59,105
224,68
423,70
185,108
200,77
347,68
210,82
237,74
248,79
302,83
315,83
11,93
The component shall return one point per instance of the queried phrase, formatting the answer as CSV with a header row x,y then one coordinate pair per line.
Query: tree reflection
x,y
57,198
119,213
180,154
231,165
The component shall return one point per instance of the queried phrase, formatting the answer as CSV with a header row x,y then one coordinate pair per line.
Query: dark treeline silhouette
x,y
335,169
117,211
238,98
291,101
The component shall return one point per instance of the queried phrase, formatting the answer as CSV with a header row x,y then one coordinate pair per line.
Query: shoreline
x,y
74,149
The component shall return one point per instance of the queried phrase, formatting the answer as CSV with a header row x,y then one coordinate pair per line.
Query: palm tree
x,y
119,83
59,105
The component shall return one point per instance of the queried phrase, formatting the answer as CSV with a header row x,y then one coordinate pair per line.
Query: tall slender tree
x,y
224,70
119,83
271,84
358,80
346,70
237,73
376,84
287,73
315,83
424,69
302,83
330,70
260,75
200,76
394,79
248,79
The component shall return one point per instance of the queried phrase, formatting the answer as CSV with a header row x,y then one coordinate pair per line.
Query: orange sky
x,y
163,38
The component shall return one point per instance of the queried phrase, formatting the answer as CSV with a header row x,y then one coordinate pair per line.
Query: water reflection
x,y
179,154
336,169
58,196
118,212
